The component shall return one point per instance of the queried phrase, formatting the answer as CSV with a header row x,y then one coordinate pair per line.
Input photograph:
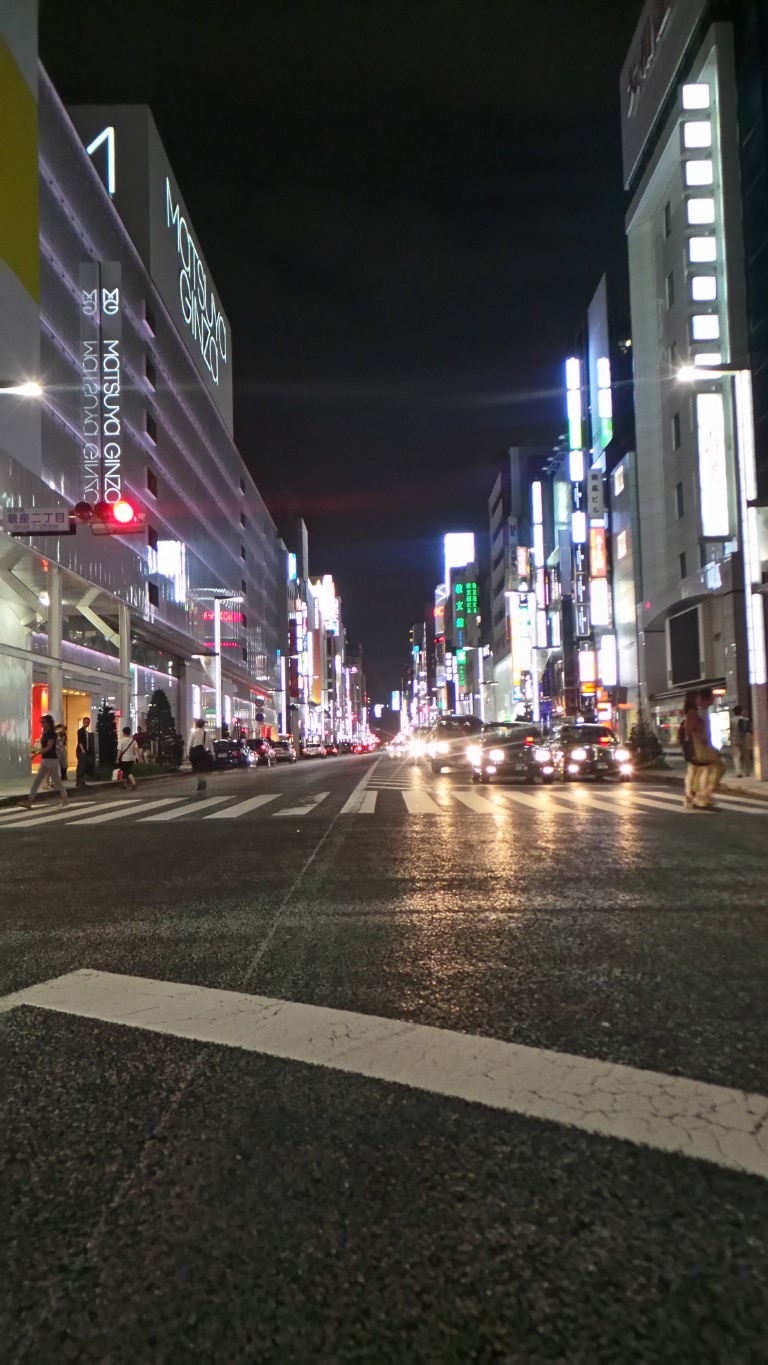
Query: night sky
x,y
406,207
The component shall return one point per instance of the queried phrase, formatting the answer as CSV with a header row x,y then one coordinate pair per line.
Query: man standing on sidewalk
x,y
741,742
82,752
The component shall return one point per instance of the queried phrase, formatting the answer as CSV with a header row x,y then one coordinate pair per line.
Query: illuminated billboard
x,y
713,466
458,551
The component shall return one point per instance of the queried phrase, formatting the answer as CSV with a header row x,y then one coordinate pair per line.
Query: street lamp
x,y
750,548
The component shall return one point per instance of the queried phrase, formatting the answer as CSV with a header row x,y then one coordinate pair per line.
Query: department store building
x,y
107,301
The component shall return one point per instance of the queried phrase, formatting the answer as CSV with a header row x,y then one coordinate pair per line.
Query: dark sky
x,y
406,206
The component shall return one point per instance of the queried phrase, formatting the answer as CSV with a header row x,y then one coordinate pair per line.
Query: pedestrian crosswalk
x,y
417,800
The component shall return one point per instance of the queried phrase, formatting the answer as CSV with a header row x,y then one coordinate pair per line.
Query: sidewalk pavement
x,y
17,789
748,787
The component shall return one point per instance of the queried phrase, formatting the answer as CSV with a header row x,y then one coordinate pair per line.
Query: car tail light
x,y
605,739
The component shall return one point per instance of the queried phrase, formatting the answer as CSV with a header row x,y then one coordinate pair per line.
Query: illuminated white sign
x,y
608,667
578,528
458,550
713,465
599,602
199,306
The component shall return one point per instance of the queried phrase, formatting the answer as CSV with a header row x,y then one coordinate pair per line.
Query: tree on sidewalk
x,y
165,742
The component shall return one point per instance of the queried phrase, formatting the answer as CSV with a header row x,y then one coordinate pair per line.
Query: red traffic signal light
x,y
117,519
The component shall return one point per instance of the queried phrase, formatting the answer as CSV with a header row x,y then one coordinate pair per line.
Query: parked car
x,y
331,747
231,753
589,751
284,751
313,749
512,752
446,743
262,751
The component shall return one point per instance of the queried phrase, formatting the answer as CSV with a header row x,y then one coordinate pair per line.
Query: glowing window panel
x,y
604,372
573,405
573,373
576,466
538,544
541,629
536,503
618,479
700,211
697,133
599,602
704,288
708,358
699,173
604,403
705,327
587,669
702,250
696,95
621,545
579,528
713,468
607,661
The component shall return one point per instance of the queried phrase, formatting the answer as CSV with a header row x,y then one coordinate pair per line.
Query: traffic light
x,y
111,518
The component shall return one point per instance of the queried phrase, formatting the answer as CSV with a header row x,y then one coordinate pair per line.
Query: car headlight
x,y
541,755
622,755
417,747
579,755
443,747
497,755
474,754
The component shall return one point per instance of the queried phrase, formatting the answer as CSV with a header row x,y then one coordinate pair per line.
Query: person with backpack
x,y
741,742
201,753
695,770
128,755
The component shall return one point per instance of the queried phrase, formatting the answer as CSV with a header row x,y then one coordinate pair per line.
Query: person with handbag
x,y
706,754
128,755
49,763
201,753
695,770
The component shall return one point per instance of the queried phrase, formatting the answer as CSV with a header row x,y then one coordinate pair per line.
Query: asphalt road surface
x,y
346,1062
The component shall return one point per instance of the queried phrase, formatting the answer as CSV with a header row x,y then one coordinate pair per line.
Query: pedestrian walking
x,y
49,763
695,770
741,742
200,753
707,754
61,750
83,751
128,755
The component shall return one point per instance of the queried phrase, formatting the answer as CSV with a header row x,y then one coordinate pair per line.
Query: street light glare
x,y
29,390
687,373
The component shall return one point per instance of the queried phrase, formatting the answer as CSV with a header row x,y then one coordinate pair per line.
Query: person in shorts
x,y
127,757
201,753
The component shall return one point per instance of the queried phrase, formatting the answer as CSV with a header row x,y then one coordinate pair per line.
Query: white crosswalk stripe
x,y
310,805
419,803
127,810
43,818
479,804
184,810
242,807
579,798
360,803
21,813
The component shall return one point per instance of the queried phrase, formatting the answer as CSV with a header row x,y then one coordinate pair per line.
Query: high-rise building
x,y
693,92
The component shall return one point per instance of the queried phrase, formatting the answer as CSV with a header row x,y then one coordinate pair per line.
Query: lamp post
x,y
746,472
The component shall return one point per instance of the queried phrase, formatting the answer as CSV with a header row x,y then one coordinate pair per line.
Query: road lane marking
x,y
242,807
192,809
311,804
733,803
419,803
70,814
479,804
577,796
367,804
37,811
667,1113
129,809
540,801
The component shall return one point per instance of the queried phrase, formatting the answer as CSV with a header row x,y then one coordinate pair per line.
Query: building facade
x,y
108,303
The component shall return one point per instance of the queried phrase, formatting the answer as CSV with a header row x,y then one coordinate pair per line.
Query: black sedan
x,y
231,753
589,751
261,751
513,752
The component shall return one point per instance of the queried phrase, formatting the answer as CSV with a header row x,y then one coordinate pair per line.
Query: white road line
x,y
365,804
541,801
129,808
577,797
479,804
70,814
354,803
193,808
666,1113
242,807
37,811
735,803
419,803
311,804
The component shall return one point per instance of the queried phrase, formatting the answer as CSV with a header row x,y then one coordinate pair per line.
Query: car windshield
x,y
587,734
506,732
459,725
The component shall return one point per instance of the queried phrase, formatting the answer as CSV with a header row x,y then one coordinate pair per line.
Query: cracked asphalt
x,y
168,1199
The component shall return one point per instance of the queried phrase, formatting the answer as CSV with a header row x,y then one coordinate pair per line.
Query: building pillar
x,y
124,627
55,698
